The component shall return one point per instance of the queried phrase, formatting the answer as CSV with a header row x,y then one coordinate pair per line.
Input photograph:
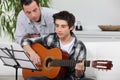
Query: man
x,y
33,20
64,39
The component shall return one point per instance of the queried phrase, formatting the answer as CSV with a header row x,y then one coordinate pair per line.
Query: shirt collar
x,y
42,21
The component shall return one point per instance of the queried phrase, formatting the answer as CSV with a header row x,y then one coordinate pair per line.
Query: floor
x,y
10,78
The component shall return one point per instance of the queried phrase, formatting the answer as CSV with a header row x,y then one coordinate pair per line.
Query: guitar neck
x,y
67,63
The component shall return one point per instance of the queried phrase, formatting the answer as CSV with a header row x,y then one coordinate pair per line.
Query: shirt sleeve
x,y
80,51
29,41
20,27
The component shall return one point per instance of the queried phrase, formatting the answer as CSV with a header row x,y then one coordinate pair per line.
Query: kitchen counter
x,y
98,35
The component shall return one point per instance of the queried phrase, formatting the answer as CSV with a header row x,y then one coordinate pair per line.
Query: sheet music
x,y
9,61
20,55
3,54
13,53
26,64
8,45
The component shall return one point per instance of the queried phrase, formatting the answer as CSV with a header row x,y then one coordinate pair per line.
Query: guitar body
x,y
46,56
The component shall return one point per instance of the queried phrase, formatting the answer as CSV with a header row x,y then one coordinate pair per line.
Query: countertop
x,y
98,35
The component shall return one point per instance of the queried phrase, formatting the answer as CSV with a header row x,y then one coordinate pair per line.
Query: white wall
x,y
4,37
104,51
91,12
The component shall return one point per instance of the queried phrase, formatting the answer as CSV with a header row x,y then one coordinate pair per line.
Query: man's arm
x,y
20,27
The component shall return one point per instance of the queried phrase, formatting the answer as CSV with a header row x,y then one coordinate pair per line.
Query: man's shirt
x,y
25,26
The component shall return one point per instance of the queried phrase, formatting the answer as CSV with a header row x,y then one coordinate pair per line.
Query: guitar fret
x,y
63,63
67,63
87,63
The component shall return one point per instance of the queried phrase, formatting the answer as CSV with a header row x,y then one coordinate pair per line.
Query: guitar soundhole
x,y
48,62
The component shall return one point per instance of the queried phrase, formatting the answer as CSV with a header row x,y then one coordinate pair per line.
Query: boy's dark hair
x,y
65,15
27,2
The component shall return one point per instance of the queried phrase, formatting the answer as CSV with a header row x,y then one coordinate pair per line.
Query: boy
x,y
64,39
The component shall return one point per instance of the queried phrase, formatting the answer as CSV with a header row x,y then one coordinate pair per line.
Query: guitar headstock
x,y
102,64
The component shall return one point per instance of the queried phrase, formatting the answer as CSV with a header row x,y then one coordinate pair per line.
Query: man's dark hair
x,y
65,15
27,2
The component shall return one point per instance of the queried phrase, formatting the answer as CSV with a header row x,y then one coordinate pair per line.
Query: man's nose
x,y
32,14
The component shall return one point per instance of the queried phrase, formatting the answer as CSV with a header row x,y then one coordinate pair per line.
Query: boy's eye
x,y
57,25
63,26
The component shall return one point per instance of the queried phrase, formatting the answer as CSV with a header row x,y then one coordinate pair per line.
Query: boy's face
x,y
62,29
32,11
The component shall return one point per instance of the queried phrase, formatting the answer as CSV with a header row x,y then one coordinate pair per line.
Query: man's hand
x,y
31,36
34,35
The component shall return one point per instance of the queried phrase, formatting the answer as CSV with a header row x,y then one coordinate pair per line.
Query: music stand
x,y
14,56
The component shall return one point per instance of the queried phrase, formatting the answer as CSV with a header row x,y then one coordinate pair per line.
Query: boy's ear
x,y
72,28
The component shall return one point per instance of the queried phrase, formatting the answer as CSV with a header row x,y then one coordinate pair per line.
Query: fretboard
x,y
67,63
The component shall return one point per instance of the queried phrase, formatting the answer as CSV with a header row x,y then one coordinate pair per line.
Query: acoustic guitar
x,y
58,61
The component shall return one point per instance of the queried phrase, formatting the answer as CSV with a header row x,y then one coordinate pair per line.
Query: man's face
x,y
32,11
